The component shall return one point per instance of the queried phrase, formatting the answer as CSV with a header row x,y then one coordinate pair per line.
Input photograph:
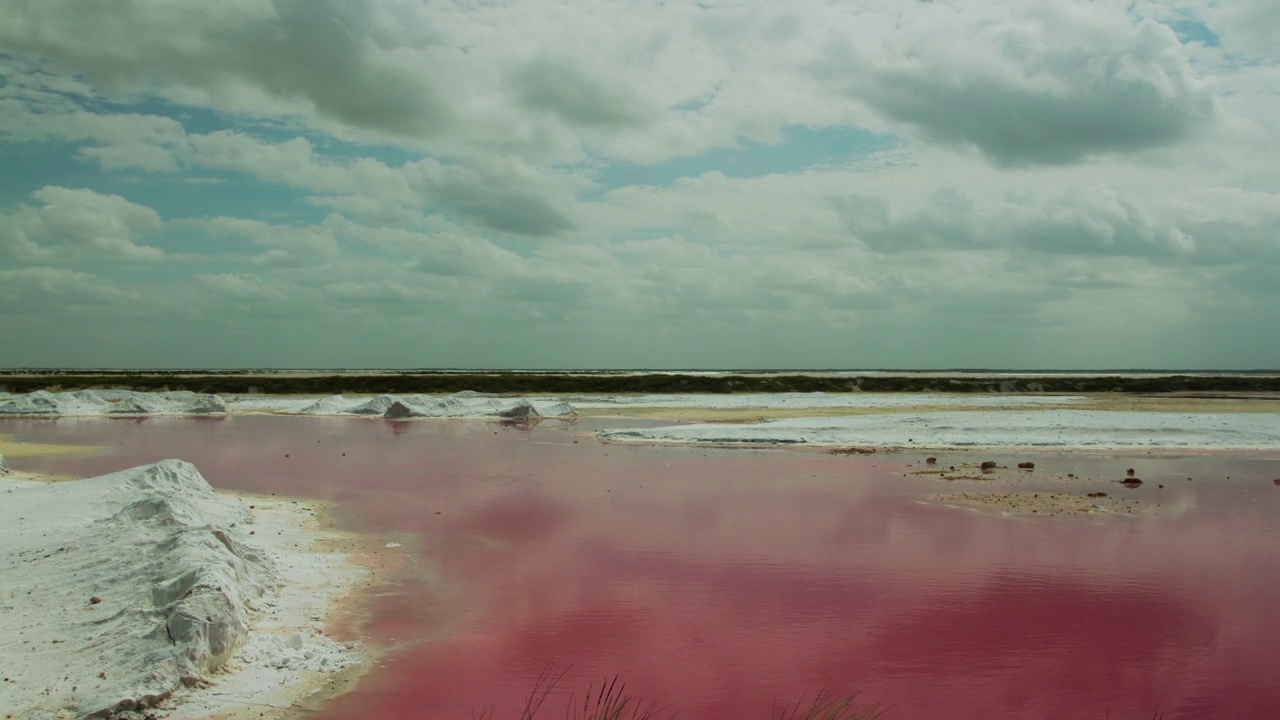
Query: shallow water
x,y
723,583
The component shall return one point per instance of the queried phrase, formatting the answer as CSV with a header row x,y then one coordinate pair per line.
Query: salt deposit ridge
x,y
1066,429
120,590
476,405
117,403
111,402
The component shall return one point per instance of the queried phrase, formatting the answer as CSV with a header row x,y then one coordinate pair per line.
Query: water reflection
x,y
723,581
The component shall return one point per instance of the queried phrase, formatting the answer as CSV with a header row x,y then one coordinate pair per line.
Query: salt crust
x,y
885,401
1064,429
119,591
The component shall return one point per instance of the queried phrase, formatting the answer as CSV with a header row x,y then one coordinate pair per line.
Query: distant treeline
x,y
590,383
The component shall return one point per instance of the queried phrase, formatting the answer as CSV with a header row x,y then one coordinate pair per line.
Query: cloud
x,y
27,289
567,91
76,224
307,243
1050,85
344,60
1248,25
1096,222
457,182
242,286
497,194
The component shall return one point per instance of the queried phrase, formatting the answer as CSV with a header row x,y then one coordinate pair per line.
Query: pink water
x,y
721,583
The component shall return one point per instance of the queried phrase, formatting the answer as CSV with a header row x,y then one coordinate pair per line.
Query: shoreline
x,y
322,575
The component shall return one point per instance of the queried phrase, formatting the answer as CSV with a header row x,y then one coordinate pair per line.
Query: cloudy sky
x,y
640,183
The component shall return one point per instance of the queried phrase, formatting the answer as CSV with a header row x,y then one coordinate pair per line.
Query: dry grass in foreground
x,y
611,701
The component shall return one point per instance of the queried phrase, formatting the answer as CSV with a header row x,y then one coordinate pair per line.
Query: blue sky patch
x,y
802,148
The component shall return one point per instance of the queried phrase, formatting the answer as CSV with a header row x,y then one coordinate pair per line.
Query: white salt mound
x,y
465,404
139,405
298,651
116,402
558,409
1044,428
332,405
376,406
123,587
36,403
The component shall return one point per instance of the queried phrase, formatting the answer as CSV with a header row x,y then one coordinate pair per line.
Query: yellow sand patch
x,y
11,448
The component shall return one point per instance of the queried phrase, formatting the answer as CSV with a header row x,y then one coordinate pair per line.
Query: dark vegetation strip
x,y
607,383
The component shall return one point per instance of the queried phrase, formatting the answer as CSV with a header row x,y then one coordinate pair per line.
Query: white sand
x,y
179,587
1064,429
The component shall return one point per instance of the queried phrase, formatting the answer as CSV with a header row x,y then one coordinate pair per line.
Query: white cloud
x,y
1055,161
303,242
1056,82
27,289
74,224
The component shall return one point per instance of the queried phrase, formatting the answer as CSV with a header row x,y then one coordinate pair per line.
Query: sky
x,y
640,184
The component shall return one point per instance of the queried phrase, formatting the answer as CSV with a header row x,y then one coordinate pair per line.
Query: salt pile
x,y
555,409
121,589
119,402
332,405
141,405
314,652
459,405
1045,428
36,403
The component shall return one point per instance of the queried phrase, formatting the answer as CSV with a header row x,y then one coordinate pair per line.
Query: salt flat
x,y
1065,429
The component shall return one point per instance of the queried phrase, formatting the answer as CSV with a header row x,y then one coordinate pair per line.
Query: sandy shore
x,y
11,447
246,589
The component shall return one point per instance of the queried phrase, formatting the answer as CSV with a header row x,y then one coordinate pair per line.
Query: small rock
x,y
989,465
934,461
1097,494
1129,472
95,600
1276,481
1131,482
1026,465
